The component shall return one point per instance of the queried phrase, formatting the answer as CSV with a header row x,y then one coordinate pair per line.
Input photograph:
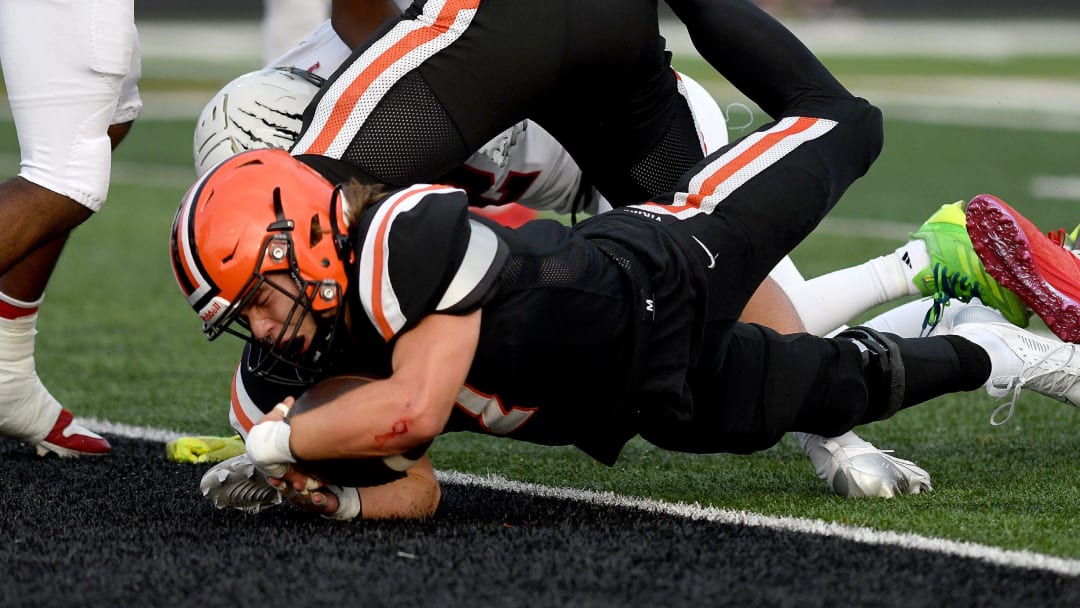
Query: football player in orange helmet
x,y
328,278
265,106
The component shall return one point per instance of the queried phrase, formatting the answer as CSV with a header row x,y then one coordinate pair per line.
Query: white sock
x,y
911,258
831,300
905,320
27,410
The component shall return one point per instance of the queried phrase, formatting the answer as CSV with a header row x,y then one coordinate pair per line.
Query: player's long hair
x,y
360,196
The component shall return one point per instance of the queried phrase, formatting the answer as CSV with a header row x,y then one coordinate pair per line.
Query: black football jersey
x,y
559,325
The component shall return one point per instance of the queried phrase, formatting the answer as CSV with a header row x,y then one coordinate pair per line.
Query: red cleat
x,y
1033,265
70,440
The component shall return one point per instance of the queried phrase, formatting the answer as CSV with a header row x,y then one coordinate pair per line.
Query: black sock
x,y
941,364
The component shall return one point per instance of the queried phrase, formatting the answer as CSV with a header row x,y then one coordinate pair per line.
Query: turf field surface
x,y
120,347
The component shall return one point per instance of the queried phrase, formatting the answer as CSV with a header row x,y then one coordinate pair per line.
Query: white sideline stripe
x,y
994,555
1065,187
129,430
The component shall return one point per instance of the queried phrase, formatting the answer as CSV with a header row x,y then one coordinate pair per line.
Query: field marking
x,y
869,536
1066,187
1010,558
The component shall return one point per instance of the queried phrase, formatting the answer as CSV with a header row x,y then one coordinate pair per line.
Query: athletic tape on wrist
x,y
349,505
268,444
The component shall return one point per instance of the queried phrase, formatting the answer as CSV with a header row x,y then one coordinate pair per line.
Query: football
x,y
350,472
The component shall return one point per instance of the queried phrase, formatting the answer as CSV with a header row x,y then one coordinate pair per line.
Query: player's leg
x,y
849,465
287,22
67,83
764,384
403,107
938,262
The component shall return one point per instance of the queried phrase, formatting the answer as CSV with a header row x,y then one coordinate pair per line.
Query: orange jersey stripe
x,y
238,410
378,264
744,158
348,100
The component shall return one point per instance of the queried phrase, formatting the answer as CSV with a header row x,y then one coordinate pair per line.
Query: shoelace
x,y
1061,237
1060,386
948,287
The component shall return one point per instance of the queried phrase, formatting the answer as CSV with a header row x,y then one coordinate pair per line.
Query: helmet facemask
x,y
279,357
260,221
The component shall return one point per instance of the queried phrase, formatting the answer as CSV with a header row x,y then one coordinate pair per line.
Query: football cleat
x,y
68,439
955,271
1035,266
237,484
854,468
1021,359
204,449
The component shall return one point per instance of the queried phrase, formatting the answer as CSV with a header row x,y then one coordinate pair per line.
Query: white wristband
x,y
349,506
268,445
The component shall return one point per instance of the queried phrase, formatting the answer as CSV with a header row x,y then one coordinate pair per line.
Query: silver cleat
x,y
855,468
236,483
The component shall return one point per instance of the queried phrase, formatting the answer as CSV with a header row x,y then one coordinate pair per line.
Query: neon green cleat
x,y
196,450
955,271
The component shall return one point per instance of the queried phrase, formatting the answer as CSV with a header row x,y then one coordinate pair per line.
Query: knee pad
x,y
882,365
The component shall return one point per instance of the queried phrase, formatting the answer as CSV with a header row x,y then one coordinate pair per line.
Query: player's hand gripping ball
x,y
350,472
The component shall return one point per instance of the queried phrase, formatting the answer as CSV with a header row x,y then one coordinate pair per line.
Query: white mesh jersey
x,y
524,164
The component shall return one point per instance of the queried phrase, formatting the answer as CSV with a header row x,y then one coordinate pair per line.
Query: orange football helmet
x,y
259,213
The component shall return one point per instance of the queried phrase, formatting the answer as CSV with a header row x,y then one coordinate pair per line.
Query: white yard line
x,y
859,534
242,41
1016,559
853,36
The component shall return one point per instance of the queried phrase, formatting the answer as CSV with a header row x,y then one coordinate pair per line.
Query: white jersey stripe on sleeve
x,y
243,413
483,247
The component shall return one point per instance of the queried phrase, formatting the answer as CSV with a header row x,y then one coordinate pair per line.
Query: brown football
x,y
350,472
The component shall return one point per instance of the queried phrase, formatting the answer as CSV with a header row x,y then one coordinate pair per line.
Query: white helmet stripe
x,y
201,285
351,97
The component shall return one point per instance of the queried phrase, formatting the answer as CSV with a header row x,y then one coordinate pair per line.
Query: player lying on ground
x,y
263,109
475,309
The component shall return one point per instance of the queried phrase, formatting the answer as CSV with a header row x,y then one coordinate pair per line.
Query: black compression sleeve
x,y
756,53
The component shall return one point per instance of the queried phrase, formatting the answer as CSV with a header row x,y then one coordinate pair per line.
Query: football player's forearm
x,y
381,418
